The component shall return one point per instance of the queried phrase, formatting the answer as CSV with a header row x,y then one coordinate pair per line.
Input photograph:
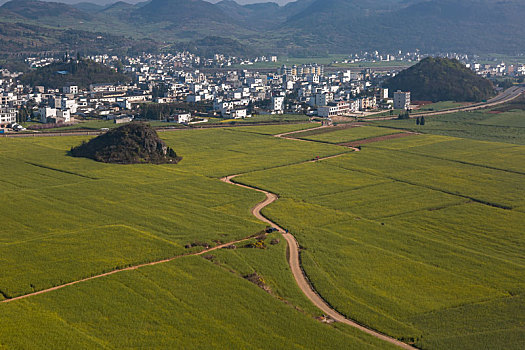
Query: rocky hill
x,y
135,143
441,79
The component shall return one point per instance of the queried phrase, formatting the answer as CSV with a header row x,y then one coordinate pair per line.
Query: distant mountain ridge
x,y
310,26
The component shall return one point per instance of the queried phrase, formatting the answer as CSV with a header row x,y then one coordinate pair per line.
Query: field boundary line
x,y
453,160
480,201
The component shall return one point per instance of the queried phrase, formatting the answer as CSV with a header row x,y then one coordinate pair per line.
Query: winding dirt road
x,y
298,273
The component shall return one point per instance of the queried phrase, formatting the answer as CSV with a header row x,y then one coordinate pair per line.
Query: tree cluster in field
x,y
441,79
420,121
133,143
74,72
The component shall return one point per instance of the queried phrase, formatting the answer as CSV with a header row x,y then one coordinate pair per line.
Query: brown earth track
x,y
299,275
130,268
293,260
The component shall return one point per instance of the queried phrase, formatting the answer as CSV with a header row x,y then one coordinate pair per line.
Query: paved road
x,y
504,97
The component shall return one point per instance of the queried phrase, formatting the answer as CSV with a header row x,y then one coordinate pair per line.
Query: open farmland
x,y
420,238
421,230
76,218
344,134
504,123
187,303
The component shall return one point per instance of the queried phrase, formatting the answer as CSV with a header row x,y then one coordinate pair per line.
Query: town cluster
x,y
198,94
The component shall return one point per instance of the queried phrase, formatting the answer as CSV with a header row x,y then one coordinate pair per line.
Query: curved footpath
x,y
298,273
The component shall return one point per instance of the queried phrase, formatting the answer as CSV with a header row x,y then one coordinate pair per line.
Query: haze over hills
x,y
303,26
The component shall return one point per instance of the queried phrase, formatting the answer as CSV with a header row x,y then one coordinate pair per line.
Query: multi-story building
x,y
70,89
7,116
278,104
401,100
334,109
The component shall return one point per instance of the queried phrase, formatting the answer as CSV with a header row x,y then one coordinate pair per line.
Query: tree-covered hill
x,y
134,143
81,73
441,79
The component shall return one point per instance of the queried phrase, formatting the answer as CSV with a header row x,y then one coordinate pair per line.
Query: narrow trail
x,y
130,268
298,273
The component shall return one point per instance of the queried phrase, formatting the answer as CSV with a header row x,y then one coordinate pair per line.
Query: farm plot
x,y
503,156
276,129
484,185
422,242
336,136
54,204
478,125
188,303
218,153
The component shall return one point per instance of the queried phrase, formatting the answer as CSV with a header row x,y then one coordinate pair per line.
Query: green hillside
x,y
81,73
441,79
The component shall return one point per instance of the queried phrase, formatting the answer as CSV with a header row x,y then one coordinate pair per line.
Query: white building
x,y
47,113
334,109
278,104
401,100
7,116
182,118
67,104
70,89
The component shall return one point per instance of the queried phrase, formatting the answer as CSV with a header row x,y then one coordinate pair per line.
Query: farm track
x,y
300,277
130,268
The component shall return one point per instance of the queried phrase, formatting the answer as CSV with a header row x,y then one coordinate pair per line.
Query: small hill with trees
x,y
134,143
80,72
441,79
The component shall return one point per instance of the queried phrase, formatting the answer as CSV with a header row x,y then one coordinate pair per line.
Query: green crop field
x,y
439,106
420,238
65,219
412,233
345,134
187,303
276,129
479,125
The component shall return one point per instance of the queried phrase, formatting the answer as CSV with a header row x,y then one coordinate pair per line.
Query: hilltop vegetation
x,y
81,73
441,79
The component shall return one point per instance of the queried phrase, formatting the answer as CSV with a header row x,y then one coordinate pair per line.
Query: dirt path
x,y
298,273
130,268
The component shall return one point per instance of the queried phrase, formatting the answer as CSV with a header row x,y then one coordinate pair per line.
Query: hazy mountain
x,y
34,9
307,26
181,10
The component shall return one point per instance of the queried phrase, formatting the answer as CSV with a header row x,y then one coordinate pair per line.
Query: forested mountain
x,y
441,79
329,26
